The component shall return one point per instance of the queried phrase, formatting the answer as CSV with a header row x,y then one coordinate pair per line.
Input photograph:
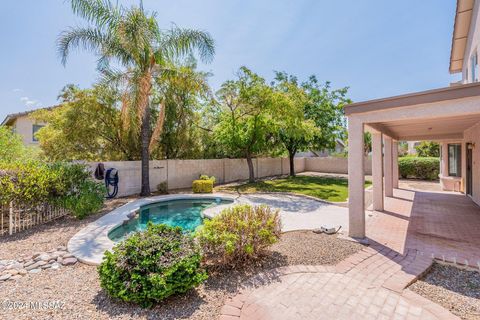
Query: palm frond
x,y
182,42
85,38
100,12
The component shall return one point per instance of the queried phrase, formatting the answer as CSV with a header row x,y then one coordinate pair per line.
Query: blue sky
x,y
378,48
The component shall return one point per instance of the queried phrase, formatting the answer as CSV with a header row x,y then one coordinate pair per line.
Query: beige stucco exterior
x,y
23,126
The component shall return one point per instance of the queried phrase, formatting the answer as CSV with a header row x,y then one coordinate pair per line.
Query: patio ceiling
x,y
448,128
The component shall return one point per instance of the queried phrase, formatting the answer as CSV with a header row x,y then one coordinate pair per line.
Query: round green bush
x,y
424,168
152,265
239,233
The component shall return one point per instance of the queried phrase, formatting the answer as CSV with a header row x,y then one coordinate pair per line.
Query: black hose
x,y
111,180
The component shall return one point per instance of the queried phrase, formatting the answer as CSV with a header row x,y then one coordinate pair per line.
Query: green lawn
x,y
325,188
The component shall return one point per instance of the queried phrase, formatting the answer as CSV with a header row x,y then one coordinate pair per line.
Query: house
x,y
449,115
24,126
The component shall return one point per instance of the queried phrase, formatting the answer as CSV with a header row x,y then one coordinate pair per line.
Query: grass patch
x,y
325,188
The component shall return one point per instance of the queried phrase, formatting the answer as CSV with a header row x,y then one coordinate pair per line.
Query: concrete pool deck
x,y
297,213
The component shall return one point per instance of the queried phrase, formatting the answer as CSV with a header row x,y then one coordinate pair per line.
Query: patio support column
x,y
356,179
387,145
377,171
395,163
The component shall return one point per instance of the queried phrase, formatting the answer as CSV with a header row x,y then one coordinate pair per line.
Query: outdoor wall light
x,y
471,145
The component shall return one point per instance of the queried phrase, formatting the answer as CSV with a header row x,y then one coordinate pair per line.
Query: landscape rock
x,y
37,264
69,261
5,277
55,266
35,270
22,272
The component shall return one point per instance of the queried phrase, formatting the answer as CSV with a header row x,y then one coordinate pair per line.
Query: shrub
x,y
202,186
65,185
88,198
239,233
419,168
162,187
206,177
152,265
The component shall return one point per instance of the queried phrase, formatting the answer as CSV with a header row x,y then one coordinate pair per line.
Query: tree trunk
x,y
145,136
291,157
251,173
144,108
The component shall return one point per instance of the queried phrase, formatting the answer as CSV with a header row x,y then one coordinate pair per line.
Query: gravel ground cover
x,y
74,293
455,289
50,235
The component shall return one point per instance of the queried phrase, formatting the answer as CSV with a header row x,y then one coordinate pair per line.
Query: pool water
x,y
185,213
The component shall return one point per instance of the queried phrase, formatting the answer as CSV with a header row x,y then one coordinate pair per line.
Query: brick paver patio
x,y
371,284
444,224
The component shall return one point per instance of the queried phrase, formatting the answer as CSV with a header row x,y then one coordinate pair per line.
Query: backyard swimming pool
x,y
185,213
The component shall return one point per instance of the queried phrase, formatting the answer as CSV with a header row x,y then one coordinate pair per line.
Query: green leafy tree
x,y
294,131
325,108
428,149
245,127
131,38
183,94
87,125
12,147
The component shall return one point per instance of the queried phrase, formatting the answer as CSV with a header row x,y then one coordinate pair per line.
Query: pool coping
x,y
89,244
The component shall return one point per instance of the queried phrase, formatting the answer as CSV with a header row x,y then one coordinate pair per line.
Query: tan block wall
x,y
472,135
333,165
180,173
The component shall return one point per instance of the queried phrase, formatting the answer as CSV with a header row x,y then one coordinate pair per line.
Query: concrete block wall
x,y
180,173
333,165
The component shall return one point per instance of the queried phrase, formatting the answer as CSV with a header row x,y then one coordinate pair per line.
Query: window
x,y
454,160
35,129
474,67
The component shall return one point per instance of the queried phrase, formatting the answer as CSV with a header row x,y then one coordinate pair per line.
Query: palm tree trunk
x,y
144,104
251,173
145,136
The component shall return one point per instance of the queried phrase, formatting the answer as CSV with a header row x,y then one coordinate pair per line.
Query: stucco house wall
x,y
472,135
23,126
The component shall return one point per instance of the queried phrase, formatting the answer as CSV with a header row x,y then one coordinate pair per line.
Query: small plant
x,y
239,233
152,265
206,177
202,186
162,187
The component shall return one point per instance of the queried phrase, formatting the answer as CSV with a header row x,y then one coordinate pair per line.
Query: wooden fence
x,y
15,218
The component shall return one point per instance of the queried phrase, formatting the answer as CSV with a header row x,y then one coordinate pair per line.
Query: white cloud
x,y
17,90
30,102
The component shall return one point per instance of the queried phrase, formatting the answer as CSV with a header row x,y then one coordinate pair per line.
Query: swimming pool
x,y
185,213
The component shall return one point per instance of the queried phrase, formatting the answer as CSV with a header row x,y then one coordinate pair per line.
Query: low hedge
x,y
151,265
202,186
424,168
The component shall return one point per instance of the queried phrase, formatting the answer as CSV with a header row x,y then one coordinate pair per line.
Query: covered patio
x,y
444,224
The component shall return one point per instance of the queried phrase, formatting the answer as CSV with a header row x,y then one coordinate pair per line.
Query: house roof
x,y
463,17
13,116
429,96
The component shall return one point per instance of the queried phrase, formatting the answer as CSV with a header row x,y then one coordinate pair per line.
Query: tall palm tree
x,y
131,38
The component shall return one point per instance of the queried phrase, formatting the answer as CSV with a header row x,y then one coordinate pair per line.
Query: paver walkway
x,y
367,285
